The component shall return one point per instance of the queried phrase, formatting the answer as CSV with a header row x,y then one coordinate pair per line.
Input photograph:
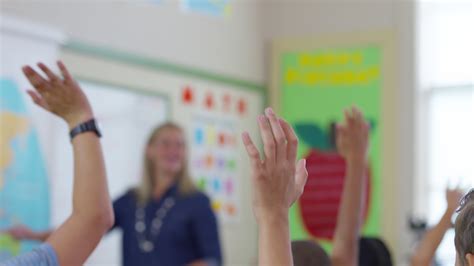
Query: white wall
x,y
287,19
228,45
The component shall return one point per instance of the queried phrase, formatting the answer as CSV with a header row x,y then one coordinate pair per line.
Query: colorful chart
x,y
213,163
213,134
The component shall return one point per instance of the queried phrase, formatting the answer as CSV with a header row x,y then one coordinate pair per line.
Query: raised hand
x,y
352,143
278,182
453,196
353,135
277,179
59,95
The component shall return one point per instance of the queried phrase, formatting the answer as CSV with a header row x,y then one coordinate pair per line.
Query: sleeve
x,y
44,255
205,231
120,209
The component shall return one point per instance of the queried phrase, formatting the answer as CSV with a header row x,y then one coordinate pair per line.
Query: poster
x,y
214,136
316,85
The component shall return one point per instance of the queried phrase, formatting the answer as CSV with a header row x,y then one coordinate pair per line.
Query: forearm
x,y
274,241
90,195
430,242
346,236
92,212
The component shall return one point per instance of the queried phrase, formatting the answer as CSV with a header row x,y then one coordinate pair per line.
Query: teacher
x,y
166,220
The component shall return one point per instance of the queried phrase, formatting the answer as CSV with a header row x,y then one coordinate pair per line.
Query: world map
x,y
24,195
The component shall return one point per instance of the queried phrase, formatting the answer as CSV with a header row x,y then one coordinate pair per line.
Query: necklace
x,y
145,237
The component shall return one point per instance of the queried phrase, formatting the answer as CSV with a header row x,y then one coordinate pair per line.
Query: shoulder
x,y
125,201
128,196
44,255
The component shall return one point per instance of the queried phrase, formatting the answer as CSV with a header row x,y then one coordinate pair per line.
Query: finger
x,y
357,114
347,117
252,150
269,145
292,140
66,75
52,77
341,131
278,134
38,82
352,120
301,176
37,99
363,124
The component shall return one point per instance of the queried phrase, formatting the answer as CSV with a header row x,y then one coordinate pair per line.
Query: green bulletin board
x,y
315,86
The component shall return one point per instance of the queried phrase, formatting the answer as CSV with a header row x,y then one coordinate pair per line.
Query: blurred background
x,y
212,66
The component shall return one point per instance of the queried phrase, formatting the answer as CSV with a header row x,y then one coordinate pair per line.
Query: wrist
x,y
446,219
357,164
76,120
356,158
273,217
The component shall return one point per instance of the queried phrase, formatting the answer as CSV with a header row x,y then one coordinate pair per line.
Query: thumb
x,y
38,99
301,176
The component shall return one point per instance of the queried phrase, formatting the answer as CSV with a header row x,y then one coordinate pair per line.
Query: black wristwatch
x,y
89,126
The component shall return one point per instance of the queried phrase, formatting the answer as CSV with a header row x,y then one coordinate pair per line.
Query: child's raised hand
x,y
59,95
277,179
353,135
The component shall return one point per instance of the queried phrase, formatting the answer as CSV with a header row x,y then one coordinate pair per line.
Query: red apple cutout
x,y
319,204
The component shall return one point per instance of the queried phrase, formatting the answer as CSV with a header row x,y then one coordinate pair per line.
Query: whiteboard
x,y
215,108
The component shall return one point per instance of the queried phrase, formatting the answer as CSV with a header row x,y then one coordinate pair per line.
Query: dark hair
x,y
309,253
373,252
464,228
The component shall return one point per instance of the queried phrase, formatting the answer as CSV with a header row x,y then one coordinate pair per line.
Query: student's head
x,y
464,231
309,253
165,157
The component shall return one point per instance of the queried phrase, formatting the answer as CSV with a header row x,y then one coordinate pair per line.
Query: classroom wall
x,y
160,29
287,19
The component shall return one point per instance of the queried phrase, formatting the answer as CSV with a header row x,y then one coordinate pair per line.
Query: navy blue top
x,y
189,231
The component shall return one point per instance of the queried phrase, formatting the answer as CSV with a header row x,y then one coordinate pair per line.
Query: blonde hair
x,y
145,189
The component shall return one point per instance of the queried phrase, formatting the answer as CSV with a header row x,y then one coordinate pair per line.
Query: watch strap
x,y
88,126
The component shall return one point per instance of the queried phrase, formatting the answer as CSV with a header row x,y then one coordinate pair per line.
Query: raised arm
x,y
278,182
352,143
92,212
426,249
